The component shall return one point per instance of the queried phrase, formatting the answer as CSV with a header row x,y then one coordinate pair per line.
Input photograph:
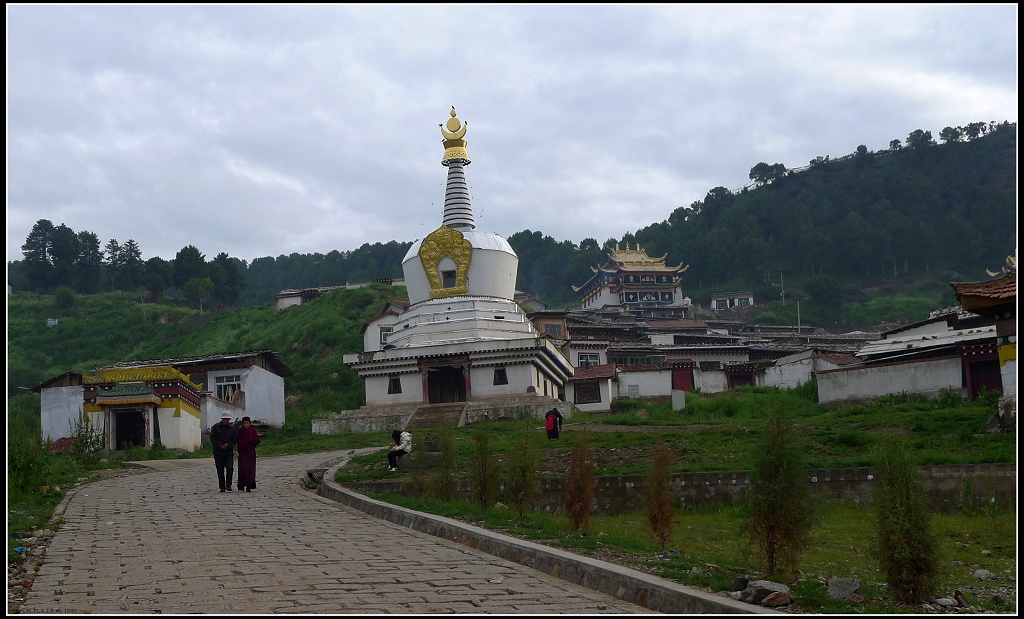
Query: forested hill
x,y
922,212
925,211
916,212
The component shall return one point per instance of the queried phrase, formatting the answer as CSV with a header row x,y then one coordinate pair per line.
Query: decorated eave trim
x,y
143,374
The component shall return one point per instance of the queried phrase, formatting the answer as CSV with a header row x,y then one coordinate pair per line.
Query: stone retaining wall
x,y
654,593
948,487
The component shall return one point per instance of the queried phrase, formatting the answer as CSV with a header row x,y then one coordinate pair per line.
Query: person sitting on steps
x,y
401,444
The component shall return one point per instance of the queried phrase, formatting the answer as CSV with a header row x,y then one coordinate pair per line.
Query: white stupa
x,y
462,337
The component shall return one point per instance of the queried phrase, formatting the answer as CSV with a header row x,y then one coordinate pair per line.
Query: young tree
x,y
951,134
189,263
907,545
228,275
763,174
658,496
483,470
579,484
197,289
441,483
113,262
64,252
131,264
919,138
89,264
38,259
156,277
779,498
523,484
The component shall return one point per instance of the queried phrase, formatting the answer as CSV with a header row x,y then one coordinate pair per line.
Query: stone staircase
x,y
437,416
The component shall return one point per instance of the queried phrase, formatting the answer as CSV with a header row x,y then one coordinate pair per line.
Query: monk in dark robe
x,y
248,439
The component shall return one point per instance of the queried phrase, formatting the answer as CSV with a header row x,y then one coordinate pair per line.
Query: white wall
x,y
371,337
184,432
520,376
789,374
605,405
927,378
604,297
377,389
264,397
60,408
602,355
650,383
711,381
289,301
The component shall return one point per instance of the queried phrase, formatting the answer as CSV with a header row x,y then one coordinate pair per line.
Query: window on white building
x,y
385,331
226,386
633,391
394,384
588,359
588,392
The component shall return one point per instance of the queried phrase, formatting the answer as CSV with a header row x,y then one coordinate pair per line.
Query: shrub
x,y
523,483
87,440
64,298
906,549
807,391
658,496
950,398
483,472
780,502
441,484
989,398
579,484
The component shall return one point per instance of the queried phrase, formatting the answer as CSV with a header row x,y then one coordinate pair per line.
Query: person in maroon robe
x,y
248,439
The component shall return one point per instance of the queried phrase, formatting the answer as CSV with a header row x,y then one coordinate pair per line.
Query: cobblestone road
x,y
169,542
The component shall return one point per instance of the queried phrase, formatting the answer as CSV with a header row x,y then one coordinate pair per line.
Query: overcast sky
x,y
267,130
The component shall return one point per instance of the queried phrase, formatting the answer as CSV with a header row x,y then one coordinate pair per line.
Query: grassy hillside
x,y
96,330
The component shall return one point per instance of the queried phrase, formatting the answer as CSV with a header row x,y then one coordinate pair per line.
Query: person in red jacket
x,y
553,423
248,439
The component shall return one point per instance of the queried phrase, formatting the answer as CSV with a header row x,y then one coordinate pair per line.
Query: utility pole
x,y
782,285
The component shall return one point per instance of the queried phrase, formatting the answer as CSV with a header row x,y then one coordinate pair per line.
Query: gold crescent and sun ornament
x,y
454,144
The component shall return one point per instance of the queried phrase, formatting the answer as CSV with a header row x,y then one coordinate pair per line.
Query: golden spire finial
x,y
454,145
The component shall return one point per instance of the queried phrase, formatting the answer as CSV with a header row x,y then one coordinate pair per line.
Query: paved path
x,y
169,541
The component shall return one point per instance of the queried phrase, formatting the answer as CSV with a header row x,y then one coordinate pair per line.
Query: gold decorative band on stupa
x,y
439,244
454,145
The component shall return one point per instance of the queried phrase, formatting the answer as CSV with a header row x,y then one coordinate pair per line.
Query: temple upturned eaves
x,y
632,278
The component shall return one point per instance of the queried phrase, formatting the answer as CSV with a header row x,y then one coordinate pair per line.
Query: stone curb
x,y
652,592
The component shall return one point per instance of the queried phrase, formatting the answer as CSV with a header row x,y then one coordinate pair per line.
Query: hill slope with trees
x,y
915,214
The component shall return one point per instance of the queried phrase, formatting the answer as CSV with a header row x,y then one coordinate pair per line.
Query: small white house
x,y
172,401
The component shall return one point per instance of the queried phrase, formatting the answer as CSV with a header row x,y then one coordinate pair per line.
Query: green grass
x,y
710,550
711,434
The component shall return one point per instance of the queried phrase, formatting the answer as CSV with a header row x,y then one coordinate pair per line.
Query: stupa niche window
x,y
448,279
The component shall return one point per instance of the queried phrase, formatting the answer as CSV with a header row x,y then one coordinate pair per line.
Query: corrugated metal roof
x,y
924,341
